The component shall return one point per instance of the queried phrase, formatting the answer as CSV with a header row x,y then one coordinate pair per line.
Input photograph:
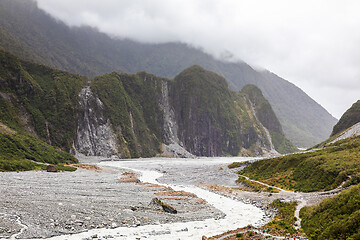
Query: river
x,y
184,174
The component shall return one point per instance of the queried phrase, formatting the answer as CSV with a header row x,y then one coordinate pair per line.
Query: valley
x,y
94,199
104,135
97,202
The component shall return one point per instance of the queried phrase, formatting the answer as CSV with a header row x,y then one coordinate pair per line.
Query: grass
x,y
284,221
19,152
320,170
255,186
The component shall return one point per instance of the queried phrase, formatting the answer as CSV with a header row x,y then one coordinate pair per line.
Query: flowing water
x,y
184,174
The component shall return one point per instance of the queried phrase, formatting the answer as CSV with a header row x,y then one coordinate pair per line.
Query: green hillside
x,y
22,152
334,218
212,119
312,171
39,99
348,119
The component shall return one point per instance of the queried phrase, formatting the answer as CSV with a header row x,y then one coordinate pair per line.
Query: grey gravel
x,y
51,204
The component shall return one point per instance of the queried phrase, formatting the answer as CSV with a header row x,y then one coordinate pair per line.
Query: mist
x,y
313,44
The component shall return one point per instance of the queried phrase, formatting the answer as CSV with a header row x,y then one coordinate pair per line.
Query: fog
x,y
313,44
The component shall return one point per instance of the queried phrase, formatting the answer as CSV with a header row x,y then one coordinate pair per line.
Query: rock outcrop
x,y
95,136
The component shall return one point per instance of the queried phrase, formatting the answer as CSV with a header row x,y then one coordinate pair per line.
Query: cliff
x,y
135,115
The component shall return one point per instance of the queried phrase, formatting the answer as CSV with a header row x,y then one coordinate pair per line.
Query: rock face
x,y
95,136
132,115
348,133
142,115
264,113
214,121
171,143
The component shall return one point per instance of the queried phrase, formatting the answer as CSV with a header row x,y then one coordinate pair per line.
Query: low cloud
x,y
314,44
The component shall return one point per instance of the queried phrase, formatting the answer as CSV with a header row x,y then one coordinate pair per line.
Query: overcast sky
x,y
314,44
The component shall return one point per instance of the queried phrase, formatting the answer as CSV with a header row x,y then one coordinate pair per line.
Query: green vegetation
x,y
348,119
237,164
284,221
255,186
38,97
23,152
213,120
132,105
268,119
334,218
312,171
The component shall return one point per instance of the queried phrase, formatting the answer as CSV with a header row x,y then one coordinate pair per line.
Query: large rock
x,y
166,207
51,168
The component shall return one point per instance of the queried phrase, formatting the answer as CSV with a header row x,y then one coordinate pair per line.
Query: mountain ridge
x,y
85,51
132,115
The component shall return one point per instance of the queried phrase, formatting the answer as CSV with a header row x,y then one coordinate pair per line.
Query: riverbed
x,y
218,215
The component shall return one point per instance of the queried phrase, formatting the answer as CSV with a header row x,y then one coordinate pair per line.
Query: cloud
x,y
314,44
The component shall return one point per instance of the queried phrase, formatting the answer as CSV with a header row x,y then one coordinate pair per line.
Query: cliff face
x,y
39,100
94,136
195,114
266,116
132,115
213,121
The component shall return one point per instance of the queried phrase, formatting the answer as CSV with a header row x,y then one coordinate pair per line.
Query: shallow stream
x,y
183,174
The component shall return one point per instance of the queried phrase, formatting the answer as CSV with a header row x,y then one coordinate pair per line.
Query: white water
x,y
238,214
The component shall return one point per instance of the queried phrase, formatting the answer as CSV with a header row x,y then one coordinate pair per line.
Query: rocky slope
x,y
32,34
348,119
136,115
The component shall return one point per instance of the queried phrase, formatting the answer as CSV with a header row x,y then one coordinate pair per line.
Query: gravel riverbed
x,y
51,204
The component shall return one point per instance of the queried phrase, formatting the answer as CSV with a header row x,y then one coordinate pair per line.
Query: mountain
x,y
348,119
265,114
32,34
136,115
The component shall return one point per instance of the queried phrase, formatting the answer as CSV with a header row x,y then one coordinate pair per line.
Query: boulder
x,y
51,168
166,207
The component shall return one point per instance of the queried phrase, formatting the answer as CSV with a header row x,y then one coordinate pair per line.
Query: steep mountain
x,y
195,113
348,119
40,100
35,103
213,120
265,114
133,115
33,35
